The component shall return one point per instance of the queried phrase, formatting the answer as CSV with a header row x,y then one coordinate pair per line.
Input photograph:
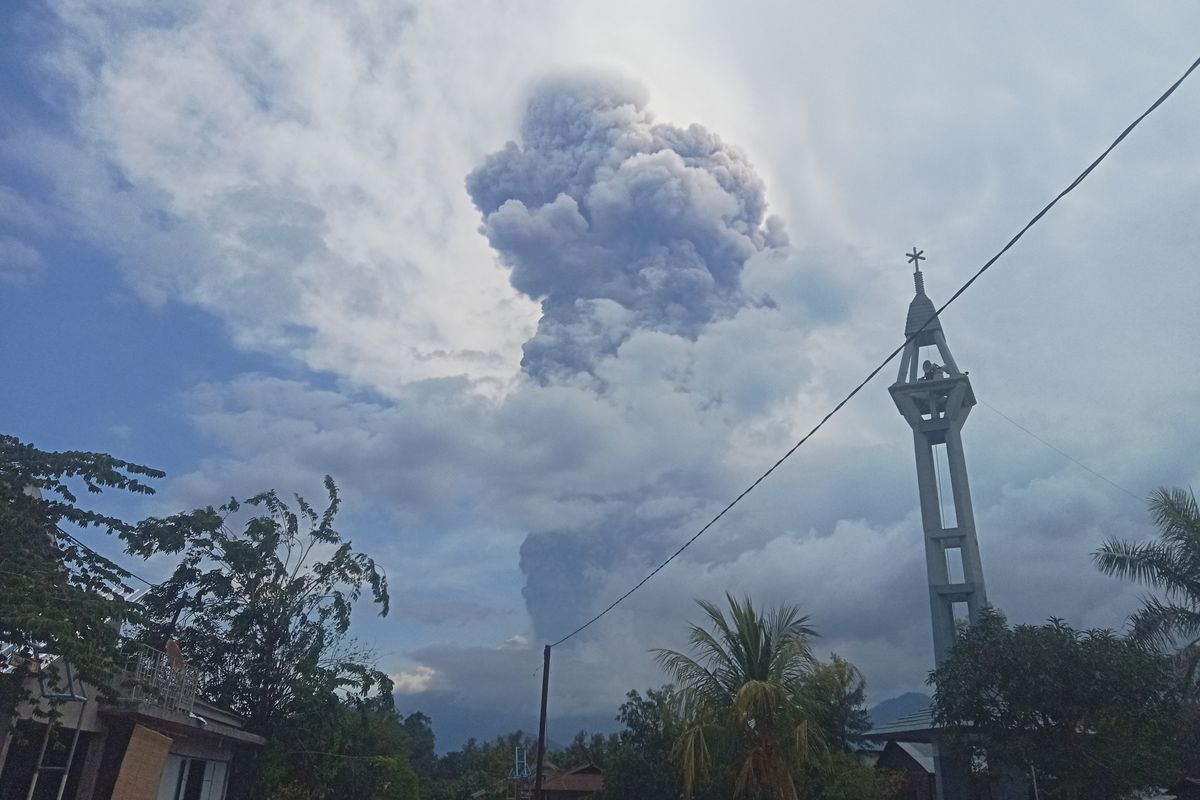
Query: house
x,y
154,741
915,761
910,745
578,783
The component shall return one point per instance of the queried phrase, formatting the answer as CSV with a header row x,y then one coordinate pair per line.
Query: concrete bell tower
x,y
935,398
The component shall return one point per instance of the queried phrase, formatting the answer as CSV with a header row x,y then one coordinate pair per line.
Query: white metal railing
x,y
153,677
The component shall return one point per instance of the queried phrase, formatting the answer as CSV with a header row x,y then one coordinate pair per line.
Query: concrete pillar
x,y
935,401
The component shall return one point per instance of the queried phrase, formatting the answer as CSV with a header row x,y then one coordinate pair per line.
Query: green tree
x,y
837,698
350,747
1094,714
840,775
57,596
480,767
1170,623
639,762
586,748
838,692
1171,564
744,700
264,614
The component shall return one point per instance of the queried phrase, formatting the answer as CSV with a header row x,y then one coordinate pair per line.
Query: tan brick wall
x,y
142,766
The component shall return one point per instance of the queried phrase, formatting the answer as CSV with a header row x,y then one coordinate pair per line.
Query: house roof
x,y
180,723
920,752
915,727
585,778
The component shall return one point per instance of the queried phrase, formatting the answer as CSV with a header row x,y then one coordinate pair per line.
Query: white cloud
x,y
414,681
19,263
298,170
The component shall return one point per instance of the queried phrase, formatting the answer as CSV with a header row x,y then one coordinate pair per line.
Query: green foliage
x,y
479,766
639,761
1094,714
756,716
837,696
264,612
335,748
745,701
1170,623
1170,564
56,596
840,775
585,748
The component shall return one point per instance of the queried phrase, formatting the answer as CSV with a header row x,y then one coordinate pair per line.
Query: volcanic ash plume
x,y
615,223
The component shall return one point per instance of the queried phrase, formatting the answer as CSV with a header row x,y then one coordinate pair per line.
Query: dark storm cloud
x,y
615,223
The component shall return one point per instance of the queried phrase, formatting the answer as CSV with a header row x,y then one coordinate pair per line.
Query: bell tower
x,y
935,398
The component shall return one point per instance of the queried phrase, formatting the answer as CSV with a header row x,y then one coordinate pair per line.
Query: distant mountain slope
x,y
454,723
897,707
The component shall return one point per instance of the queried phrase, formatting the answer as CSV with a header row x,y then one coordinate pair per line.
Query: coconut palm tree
x,y
1171,563
744,699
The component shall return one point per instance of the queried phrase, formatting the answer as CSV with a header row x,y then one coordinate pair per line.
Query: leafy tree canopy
x,y
639,761
1170,564
1094,714
264,612
57,596
745,701
346,747
837,692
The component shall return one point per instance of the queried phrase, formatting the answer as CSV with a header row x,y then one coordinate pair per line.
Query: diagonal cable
x,y
870,375
1063,453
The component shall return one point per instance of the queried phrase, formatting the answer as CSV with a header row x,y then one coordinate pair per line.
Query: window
x,y
192,779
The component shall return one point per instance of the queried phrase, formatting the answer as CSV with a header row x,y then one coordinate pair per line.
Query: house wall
x,y
142,765
73,713
919,784
120,760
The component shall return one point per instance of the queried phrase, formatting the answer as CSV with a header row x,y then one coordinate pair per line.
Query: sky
x,y
544,285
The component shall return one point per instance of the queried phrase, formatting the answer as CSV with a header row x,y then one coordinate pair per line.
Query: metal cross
x,y
916,257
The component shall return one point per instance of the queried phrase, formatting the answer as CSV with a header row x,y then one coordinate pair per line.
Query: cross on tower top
x,y
915,258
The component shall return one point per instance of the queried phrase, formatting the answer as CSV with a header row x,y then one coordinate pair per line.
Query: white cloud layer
x,y
299,171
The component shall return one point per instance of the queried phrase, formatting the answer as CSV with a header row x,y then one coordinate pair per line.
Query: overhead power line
x,y
1063,453
106,559
871,375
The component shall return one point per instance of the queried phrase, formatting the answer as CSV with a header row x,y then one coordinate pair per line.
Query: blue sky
x,y
544,285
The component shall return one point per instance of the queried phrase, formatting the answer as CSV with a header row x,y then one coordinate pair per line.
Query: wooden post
x,y
537,781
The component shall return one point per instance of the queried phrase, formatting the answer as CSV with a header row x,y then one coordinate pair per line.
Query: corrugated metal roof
x,y
921,752
919,723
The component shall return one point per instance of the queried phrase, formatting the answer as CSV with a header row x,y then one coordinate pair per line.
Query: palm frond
x,y
1164,625
1177,515
743,684
1159,564
693,757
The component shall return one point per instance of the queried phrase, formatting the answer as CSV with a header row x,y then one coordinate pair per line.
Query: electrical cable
x,y
871,375
105,559
1062,453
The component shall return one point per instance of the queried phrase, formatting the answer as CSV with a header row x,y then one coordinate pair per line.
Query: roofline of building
x,y
191,725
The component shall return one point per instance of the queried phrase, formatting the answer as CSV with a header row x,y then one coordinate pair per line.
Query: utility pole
x,y
537,781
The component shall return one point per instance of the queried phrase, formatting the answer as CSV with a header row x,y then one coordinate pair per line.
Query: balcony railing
x,y
153,677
